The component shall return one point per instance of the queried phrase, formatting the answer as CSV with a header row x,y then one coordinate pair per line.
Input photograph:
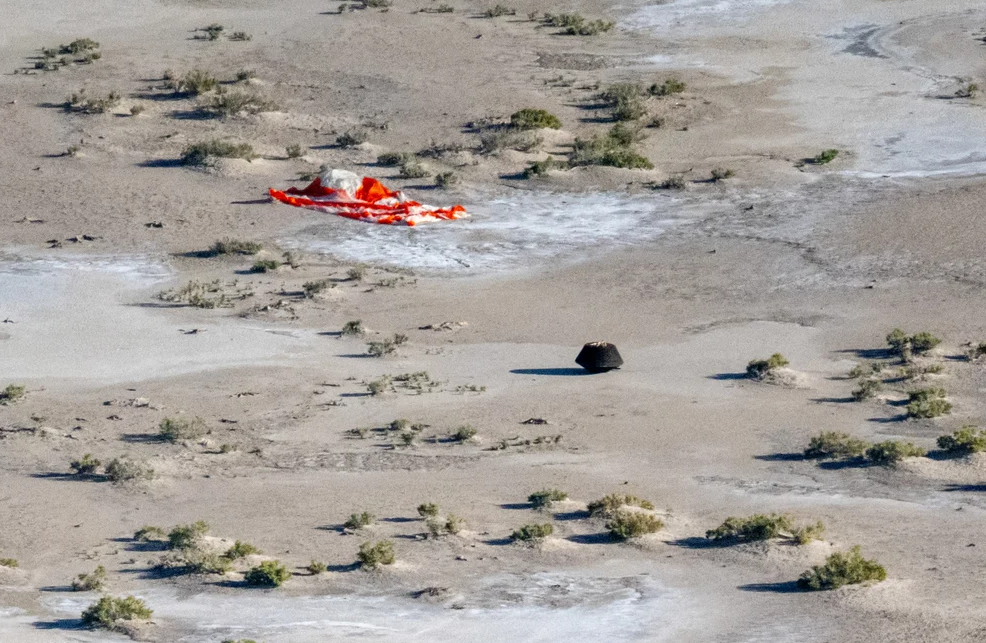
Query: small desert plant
x,y
293,151
903,345
968,439
928,403
755,527
499,10
608,505
546,497
842,569
230,103
80,102
245,74
352,138
200,561
393,159
78,46
721,174
385,346
967,91
533,532
832,444
213,31
120,470
202,153
86,465
194,83
530,118
866,390
229,246
240,36
356,273
315,568
454,524
269,573
265,265
136,110
378,387
108,611
606,151
187,536
353,328
149,533
446,180
626,100
541,168
861,371
676,182
464,433
438,527
412,169
627,523
10,563
825,156
179,429
91,582
240,550
428,510
893,451
502,138
358,521
758,369
669,87
371,555
807,533
312,288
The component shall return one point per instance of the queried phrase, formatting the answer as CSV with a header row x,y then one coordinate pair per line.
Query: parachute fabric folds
x,y
366,199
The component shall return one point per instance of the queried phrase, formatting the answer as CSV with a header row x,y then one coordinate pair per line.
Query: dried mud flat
x,y
298,428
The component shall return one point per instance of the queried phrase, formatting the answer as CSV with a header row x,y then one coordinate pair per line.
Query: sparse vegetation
x,y
574,24
824,157
428,510
358,521
107,612
546,497
178,429
807,533
120,470
533,532
904,345
227,246
312,288
626,100
676,182
356,273
608,505
413,169
966,440
265,265
721,174
82,103
198,295
867,389
530,118
240,550
193,83
758,369
187,536
136,109
10,563
755,527
372,555
353,329
230,103
293,151
893,451
464,433
269,573
244,75
438,527
607,151
315,568
541,168
379,387
628,523
240,36
842,569
669,87
393,159
352,138
204,152
968,90
446,180
91,582
928,403
832,444
501,138
386,346
85,466
498,11
149,533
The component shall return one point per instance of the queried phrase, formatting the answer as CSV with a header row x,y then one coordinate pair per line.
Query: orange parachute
x,y
366,199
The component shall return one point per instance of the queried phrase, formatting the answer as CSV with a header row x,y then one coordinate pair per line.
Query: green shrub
x,y
825,156
841,569
755,527
624,135
86,465
149,533
352,138
265,265
760,368
438,527
676,182
413,169
240,550
202,153
546,497
194,83
609,505
530,118
968,439
893,451
590,28
315,568
83,104
393,159
533,532
833,444
227,246
626,100
353,328
120,470
807,533
627,523
928,403
924,342
91,582
213,31
371,555
269,573
504,138
78,46
865,370
445,180
464,433
866,390
903,345
107,611
360,520
8,562
231,103
721,174
178,429
380,386
454,524
428,510
541,168
605,151
356,273
187,536
385,346
312,288
200,561
499,10
669,87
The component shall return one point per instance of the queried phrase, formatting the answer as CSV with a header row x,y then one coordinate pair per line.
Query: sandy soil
x,y
818,262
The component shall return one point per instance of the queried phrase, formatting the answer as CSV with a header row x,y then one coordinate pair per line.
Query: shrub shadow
x,y
832,400
838,465
781,457
889,420
142,438
350,567
572,515
868,353
786,587
498,542
60,624
591,539
549,371
729,376
965,487
516,505
161,163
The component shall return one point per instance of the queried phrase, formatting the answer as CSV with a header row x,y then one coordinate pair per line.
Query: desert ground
x,y
738,240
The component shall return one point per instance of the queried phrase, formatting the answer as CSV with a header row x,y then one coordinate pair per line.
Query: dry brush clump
x,y
80,102
834,445
12,393
91,582
840,569
545,498
373,555
355,522
176,430
964,441
759,527
905,346
928,403
530,118
386,346
269,573
532,533
109,612
762,369
231,103
626,524
205,152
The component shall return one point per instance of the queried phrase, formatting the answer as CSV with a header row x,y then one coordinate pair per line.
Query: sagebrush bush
x,y
606,151
904,345
269,573
91,582
231,103
352,138
609,505
359,521
499,10
203,152
149,533
755,527
626,101
669,87
178,429
760,368
187,536
393,159
240,550
353,328
507,138
541,168
866,390
108,611
533,532
312,288
428,510
315,568
10,563
227,246
627,523
86,465
265,265
194,83
530,118
380,386
825,156
385,346
840,569
546,497
372,555
413,169
833,444
120,470
464,433
721,174
968,439
446,180
928,403
81,103
893,451
807,533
